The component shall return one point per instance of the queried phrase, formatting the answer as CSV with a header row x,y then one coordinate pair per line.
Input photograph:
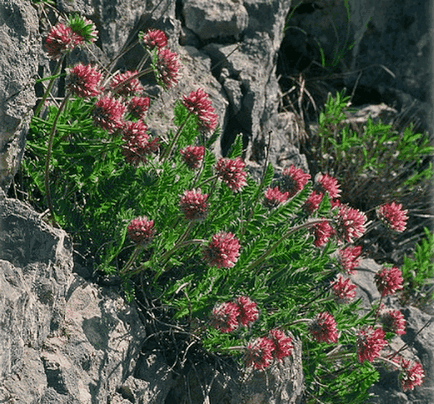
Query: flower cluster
x,y
351,223
153,38
231,171
138,106
392,215
137,144
388,281
348,258
259,353
194,205
282,344
108,113
164,62
369,343
141,230
222,251
192,156
167,67
322,232
412,374
248,310
312,202
262,351
273,197
293,180
198,103
126,84
343,290
83,81
62,38
326,183
228,316
392,321
323,328
224,316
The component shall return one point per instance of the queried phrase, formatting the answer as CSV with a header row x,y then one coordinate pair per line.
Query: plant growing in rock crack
x,y
230,266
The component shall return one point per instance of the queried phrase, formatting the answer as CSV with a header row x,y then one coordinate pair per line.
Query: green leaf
x,y
236,147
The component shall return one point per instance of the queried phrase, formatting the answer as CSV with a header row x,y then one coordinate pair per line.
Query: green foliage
x,y
96,193
418,271
373,165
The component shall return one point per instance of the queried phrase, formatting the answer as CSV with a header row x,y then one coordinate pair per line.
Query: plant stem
x,y
285,236
48,156
133,257
50,86
175,138
178,244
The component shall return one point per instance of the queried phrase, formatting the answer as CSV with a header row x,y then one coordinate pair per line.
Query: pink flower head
x,y
224,316
273,197
369,343
167,68
199,104
326,183
194,204
393,321
153,38
312,203
412,374
59,40
348,258
222,251
293,180
138,106
323,328
343,290
137,145
392,215
248,310
192,156
126,84
231,171
388,281
83,81
83,29
282,344
322,232
108,113
260,353
351,223
140,230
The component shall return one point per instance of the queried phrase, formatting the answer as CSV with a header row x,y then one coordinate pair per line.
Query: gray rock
x,y
63,340
217,19
19,43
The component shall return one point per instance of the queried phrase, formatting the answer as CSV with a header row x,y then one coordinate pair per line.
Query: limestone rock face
x,y
19,44
215,19
382,46
63,340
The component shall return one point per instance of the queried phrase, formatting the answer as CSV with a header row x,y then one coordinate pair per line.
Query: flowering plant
x,y
241,267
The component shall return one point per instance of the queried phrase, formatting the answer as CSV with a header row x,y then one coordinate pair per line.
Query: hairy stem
x,y
50,86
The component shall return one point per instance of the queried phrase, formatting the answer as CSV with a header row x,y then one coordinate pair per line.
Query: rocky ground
x,y
232,50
